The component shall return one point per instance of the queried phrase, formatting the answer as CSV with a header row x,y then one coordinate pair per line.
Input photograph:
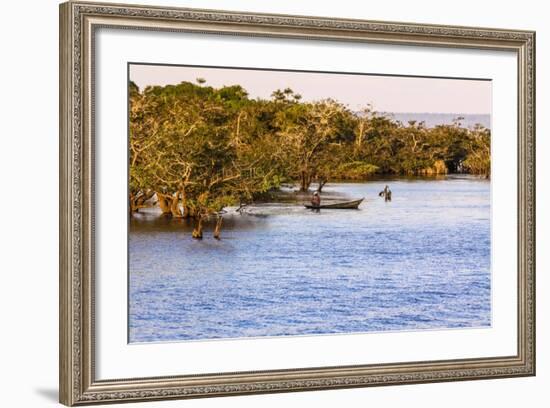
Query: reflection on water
x,y
421,261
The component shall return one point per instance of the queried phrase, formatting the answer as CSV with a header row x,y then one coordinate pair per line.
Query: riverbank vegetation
x,y
196,149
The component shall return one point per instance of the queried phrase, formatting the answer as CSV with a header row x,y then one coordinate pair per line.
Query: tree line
x,y
199,149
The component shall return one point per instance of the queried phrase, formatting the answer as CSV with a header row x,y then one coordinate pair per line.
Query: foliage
x,y
201,149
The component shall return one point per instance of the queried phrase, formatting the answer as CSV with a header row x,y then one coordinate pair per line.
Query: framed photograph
x,y
256,203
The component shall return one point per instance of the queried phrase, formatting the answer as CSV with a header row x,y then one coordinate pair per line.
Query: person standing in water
x,y
386,193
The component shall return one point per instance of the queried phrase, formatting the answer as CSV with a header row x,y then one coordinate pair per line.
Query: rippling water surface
x,y
421,261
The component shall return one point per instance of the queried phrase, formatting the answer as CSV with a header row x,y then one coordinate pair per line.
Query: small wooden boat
x,y
347,205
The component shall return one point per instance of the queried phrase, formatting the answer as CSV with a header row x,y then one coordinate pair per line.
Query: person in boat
x,y
316,199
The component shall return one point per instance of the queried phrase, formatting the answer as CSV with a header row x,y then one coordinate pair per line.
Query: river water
x,y
421,261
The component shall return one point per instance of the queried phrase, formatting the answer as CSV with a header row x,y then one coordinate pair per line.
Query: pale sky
x,y
384,93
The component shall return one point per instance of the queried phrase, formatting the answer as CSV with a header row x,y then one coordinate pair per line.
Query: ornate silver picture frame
x,y
79,22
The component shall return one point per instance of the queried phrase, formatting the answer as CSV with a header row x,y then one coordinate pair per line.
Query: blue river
x,y
419,262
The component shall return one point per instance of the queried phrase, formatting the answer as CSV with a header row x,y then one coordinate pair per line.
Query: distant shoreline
x,y
433,119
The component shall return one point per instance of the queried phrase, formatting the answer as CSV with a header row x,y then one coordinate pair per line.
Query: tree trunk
x,y
185,208
164,203
359,135
305,181
175,206
218,228
237,132
197,231
322,183
141,199
133,205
